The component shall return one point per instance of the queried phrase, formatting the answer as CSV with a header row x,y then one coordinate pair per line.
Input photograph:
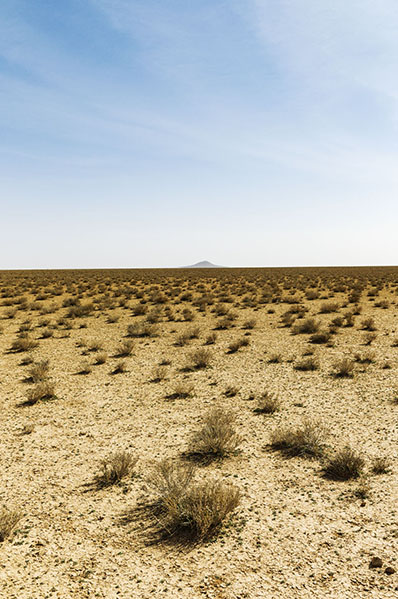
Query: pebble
x,y
376,562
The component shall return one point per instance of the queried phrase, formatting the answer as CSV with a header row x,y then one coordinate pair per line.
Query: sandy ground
x,y
294,535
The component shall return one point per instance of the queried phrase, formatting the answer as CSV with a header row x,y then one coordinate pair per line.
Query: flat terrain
x,y
321,343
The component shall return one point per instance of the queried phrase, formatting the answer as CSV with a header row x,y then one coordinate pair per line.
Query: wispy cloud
x,y
279,102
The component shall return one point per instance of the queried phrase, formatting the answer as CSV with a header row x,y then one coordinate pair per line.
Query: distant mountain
x,y
203,264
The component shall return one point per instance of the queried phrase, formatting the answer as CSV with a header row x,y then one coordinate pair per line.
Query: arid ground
x,y
274,391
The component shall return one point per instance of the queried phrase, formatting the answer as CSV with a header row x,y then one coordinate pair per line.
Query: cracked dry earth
x,y
294,534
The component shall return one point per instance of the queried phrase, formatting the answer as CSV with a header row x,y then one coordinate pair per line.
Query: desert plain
x,y
269,397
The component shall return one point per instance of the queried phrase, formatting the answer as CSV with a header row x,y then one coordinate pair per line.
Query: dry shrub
x,y
85,368
328,307
368,324
217,438
236,345
47,333
321,337
181,391
199,359
8,521
101,358
212,338
308,326
158,374
125,349
275,358
381,465
154,316
187,508
120,367
22,344
225,323
115,468
188,315
95,346
113,318
368,338
344,368
182,339
307,364
249,324
80,310
139,310
27,360
366,358
142,329
306,440
193,332
231,391
39,371
268,403
345,464
43,391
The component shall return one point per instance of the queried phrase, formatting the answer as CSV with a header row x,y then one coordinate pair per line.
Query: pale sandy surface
x,y
294,535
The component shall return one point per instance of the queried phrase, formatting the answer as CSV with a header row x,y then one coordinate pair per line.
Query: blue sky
x,y
159,133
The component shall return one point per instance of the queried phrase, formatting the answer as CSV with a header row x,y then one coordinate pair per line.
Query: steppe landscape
x,y
215,433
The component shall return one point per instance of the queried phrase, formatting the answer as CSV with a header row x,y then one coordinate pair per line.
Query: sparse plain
x,y
219,433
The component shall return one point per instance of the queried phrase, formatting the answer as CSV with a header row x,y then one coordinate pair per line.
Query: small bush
x,y
42,392
344,368
346,464
22,344
268,403
182,339
231,391
125,349
181,391
95,346
308,326
307,364
381,465
101,358
275,358
120,367
321,337
193,510
236,345
328,307
199,359
142,329
39,371
8,521
367,358
217,438
249,324
47,333
115,468
368,324
211,339
85,368
158,374
306,440
139,310
368,338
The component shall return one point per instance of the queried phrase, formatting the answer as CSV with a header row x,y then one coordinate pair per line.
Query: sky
x,y
156,133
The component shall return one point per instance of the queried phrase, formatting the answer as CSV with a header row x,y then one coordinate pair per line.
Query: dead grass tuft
x,y
217,438
115,468
306,440
344,465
